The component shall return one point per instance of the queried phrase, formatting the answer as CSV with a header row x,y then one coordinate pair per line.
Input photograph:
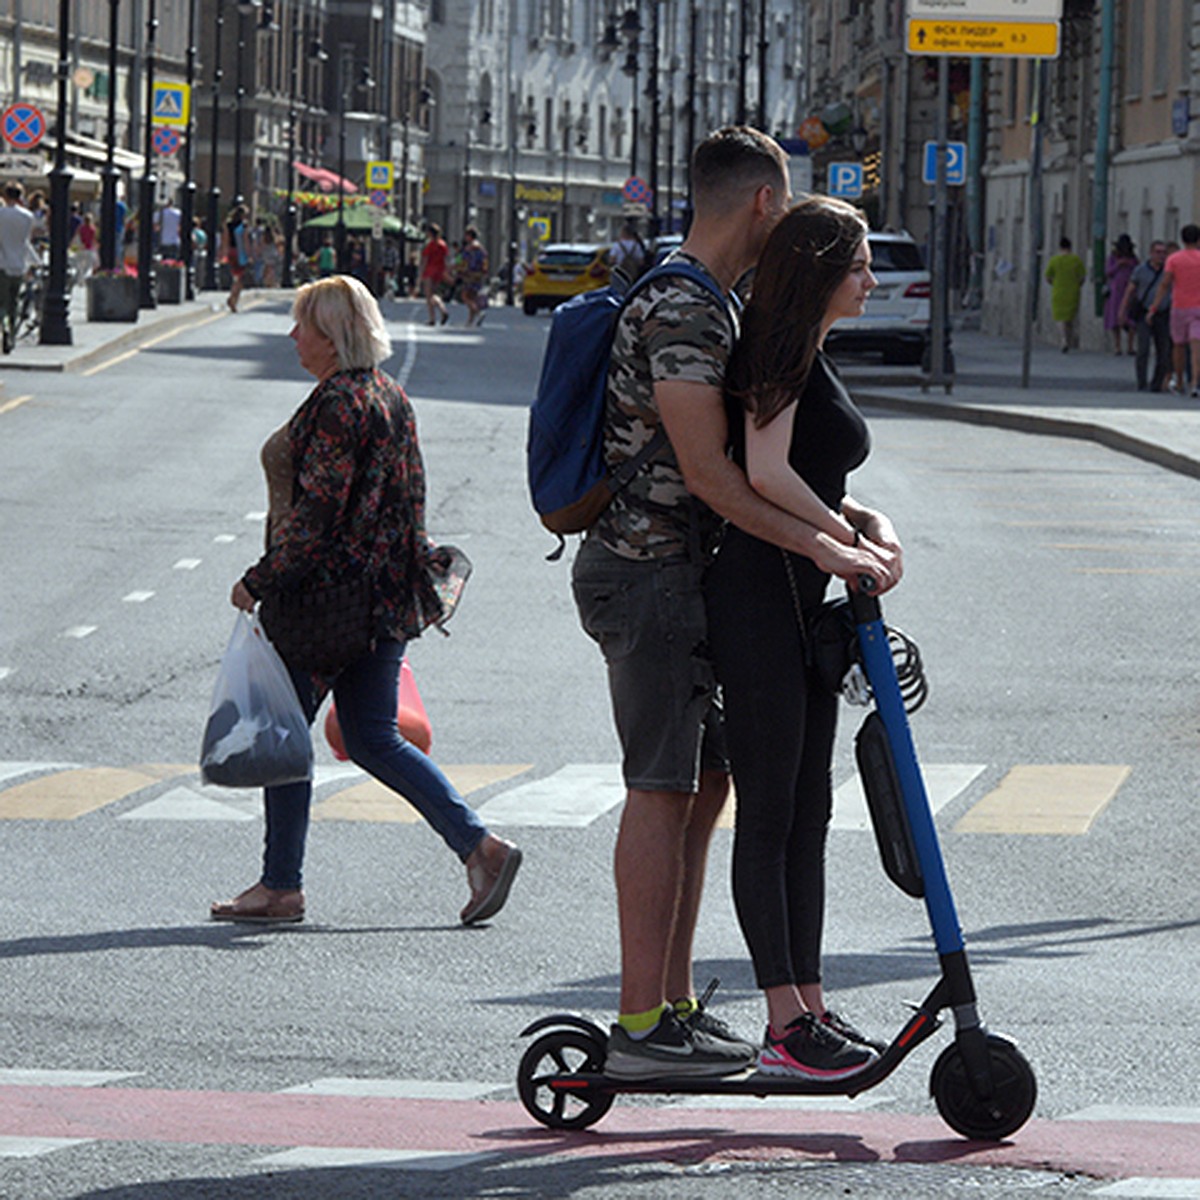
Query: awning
x,y
326,180
93,151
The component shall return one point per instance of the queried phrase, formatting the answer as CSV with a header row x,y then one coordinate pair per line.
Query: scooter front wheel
x,y
545,1087
1010,1105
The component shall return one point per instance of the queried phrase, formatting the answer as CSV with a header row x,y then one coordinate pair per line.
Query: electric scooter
x,y
983,1086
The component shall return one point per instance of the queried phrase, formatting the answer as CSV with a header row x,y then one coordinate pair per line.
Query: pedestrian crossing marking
x,y
13,770
371,800
572,797
943,782
405,1160
398,1089
1152,1188
33,1077
1156,1115
1060,798
34,1147
186,804
70,794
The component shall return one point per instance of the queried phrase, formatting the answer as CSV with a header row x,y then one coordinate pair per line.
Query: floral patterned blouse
x,y
357,502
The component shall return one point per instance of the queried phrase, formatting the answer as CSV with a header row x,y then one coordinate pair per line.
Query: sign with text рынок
x,y
964,28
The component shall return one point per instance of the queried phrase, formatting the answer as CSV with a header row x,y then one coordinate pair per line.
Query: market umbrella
x,y
357,217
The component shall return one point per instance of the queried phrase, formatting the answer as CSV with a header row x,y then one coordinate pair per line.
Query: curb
x,y
1024,421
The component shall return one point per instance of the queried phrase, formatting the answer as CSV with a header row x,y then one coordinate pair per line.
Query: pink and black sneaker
x,y
811,1050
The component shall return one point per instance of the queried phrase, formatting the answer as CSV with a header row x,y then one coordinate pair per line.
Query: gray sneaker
x,y
670,1049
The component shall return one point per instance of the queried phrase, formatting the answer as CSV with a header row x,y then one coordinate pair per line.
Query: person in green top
x,y
1065,273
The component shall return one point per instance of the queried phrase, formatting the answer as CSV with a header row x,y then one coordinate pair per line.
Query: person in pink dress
x,y
1117,271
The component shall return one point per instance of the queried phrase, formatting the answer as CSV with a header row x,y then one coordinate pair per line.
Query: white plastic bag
x,y
257,734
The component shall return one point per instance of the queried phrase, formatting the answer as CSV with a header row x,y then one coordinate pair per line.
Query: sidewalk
x,y
92,341
1081,394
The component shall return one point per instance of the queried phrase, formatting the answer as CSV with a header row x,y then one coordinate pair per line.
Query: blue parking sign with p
x,y
956,163
846,180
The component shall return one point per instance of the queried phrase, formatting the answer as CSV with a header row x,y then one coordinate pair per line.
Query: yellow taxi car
x,y
564,269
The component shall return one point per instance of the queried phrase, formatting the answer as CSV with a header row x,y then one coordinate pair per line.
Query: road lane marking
x,y
1062,798
223,539
148,345
15,402
1136,1112
138,597
187,564
5,672
943,782
403,1160
371,800
255,516
32,1077
397,1089
66,795
79,632
1142,1188
11,770
572,797
34,1147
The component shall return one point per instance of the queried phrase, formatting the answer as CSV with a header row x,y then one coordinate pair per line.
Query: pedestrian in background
x,y
17,257
1065,273
473,272
433,275
1150,331
1181,279
237,254
1117,270
346,488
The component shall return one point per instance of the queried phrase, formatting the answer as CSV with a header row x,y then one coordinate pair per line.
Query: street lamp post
x,y
652,91
340,235
631,27
244,6
214,191
289,213
108,193
56,327
187,216
149,181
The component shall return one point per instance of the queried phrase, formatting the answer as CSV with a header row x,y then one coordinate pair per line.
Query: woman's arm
x,y
771,475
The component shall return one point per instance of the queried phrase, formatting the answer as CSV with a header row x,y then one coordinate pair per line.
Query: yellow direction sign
x,y
171,102
1023,39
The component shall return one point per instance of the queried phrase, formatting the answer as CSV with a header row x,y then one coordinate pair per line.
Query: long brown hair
x,y
805,259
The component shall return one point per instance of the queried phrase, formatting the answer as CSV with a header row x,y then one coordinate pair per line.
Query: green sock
x,y
685,1007
638,1024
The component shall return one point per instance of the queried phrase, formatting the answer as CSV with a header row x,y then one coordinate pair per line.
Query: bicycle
x,y
30,305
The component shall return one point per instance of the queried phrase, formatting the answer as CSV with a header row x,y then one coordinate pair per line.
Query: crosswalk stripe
x,y
572,797
33,1077
186,804
1145,1188
342,1156
66,795
34,1147
1062,798
371,800
13,770
1136,1112
397,1089
943,782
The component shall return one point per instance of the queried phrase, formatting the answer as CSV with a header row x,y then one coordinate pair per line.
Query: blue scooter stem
x,y
881,672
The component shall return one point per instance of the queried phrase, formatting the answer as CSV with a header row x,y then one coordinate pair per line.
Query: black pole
x,y
632,61
149,183
743,58
109,250
289,213
56,326
238,198
187,216
214,192
763,46
652,89
340,234
693,27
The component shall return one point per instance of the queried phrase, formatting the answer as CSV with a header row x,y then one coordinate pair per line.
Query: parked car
x,y
896,321
562,270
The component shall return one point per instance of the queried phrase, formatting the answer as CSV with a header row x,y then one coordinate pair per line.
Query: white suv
x,y
896,320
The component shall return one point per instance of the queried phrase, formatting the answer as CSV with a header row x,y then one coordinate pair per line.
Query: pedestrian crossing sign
x,y
171,101
379,175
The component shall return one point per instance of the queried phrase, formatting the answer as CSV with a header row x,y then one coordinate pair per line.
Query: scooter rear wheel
x,y
1012,1101
562,1052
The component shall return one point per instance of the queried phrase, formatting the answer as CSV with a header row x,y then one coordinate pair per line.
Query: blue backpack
x,y
568,481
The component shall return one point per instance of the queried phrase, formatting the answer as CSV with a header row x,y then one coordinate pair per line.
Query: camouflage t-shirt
x,y
673,330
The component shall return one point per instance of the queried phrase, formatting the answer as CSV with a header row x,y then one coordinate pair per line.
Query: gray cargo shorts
x,y
647,616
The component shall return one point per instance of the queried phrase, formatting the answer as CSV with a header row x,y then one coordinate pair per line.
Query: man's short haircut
x,y
732,164
1190,234
1064,243
13,191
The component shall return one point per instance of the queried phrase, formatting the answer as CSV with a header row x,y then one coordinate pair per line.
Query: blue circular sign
x,y
22,126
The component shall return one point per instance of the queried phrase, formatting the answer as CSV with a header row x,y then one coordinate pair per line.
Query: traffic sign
x,y
378,197
379,175
540,228
24,165
988,10
164,140
966,39
956,163
22,126
846,180
637,191
171,102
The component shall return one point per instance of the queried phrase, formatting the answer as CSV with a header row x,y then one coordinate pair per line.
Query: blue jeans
x,y
365,693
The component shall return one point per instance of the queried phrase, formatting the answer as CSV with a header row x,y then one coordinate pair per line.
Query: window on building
x,y
548,123
602,132
437,12
1185,43
1135,57
1162,43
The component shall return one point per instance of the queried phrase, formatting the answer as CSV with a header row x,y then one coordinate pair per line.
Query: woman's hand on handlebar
x,y
866,559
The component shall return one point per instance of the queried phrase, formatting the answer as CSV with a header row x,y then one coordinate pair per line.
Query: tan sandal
x,y
261,905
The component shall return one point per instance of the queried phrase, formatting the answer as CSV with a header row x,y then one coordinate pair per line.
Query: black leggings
x,y
780,727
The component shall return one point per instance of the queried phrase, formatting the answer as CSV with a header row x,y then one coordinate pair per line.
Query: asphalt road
x,y
1048,585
